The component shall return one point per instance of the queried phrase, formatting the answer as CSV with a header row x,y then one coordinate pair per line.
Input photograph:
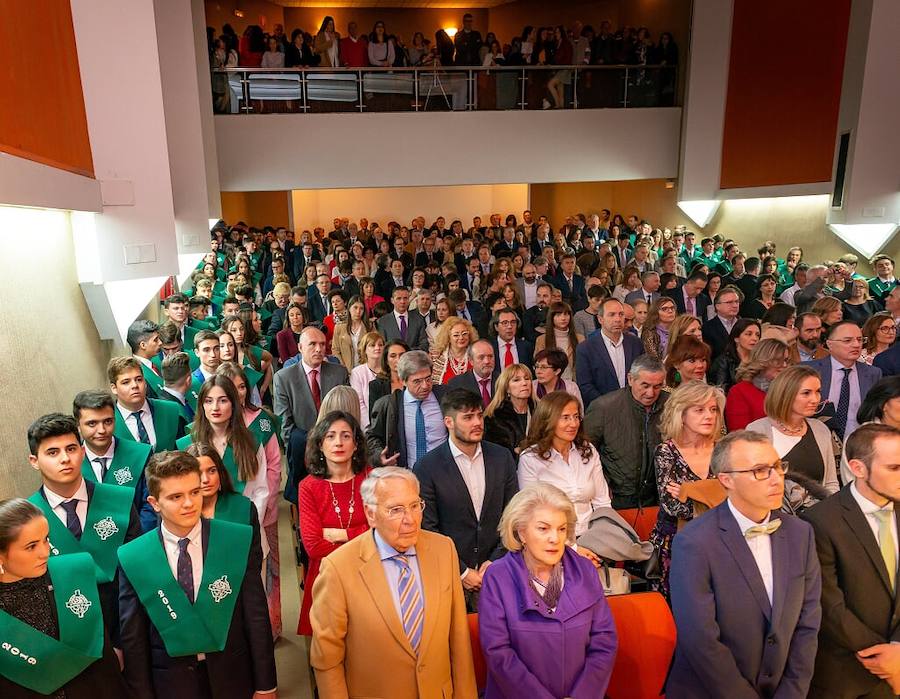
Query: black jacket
x,y
448,504
505,428
722,371
387,429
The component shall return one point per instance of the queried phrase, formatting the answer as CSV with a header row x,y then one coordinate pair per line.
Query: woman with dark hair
x,y
713,284
781,314
687,360
288,338
880,405
549,365
756,308
331,506
387,380
559,333
51,623
655,333
347,335
273,57
327,43
220,499
507,416
252,47
741,341
381,48
298,53
879,333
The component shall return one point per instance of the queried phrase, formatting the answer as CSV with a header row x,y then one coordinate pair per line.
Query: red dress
x,y
317,513
745,403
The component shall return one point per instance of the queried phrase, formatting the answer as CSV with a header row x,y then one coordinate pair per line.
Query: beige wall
x,y
313,208
49,347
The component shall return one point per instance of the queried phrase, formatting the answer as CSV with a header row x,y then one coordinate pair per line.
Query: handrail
x,y
431,69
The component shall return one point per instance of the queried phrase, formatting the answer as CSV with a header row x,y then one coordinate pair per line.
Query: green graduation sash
x,y
185,628
129,459
233,508
154,382
41,663
108,516
227,459
264,426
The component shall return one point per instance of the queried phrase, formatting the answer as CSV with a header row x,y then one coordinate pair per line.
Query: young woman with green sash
x,y
229,352
52,641
266,428
245,328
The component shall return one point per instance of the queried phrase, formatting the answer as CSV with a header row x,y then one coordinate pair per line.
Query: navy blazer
x,y
868,375
577,297
468,382
889,361
715,335
701,302
731,641
524,349
594,371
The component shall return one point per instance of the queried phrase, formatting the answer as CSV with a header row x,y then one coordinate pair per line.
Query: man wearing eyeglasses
x,y
745,585
388,613
717,329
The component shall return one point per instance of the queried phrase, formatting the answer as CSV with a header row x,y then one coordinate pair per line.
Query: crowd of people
x,y
464,411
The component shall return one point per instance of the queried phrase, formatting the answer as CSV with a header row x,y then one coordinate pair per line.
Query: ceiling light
x,y
867,238
700,211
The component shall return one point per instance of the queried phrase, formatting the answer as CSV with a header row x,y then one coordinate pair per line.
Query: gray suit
x,y
640,295
293,400
416,337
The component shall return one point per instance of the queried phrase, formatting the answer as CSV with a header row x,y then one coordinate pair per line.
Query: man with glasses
x,y
508,349
408,423
845,380
856,537
717,329
388,613
745,585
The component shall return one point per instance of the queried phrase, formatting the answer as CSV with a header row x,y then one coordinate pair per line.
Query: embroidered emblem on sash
x,y
265,425
123,476
78,604
220,589
105,528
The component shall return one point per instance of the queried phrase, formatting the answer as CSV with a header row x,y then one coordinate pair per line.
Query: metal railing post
x,y
524,79
416,88
359,92
245,92
575,89
625,95
304,89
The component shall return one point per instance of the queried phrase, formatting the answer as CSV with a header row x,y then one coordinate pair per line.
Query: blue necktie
x,y
142,431
185,569
412,609
843,406
421,441
73,524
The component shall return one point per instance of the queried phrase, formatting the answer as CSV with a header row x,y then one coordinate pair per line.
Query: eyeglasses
x,y
763,472
542,366
889,329
570,418
413,509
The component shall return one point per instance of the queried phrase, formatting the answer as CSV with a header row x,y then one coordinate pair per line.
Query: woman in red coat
x,y
331,507
746,398
288,337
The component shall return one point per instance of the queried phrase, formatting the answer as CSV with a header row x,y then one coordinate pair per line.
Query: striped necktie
x,y
412,609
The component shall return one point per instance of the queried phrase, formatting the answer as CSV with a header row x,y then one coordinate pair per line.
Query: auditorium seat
x,y
477,657
646,642
642,519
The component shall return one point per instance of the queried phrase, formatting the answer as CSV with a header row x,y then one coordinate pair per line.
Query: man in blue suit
x,y
745,586
603,361
571,283
845,380
889,360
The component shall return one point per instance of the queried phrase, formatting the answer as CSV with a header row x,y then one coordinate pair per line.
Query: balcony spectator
x,y
381,49
327,45
252,47
354,48
273,57
468,43
418,51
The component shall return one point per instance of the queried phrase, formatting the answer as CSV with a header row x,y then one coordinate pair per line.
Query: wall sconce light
x,y
451,31
239,13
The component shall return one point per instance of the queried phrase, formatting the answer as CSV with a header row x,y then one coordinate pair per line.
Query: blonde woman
x,y
508,414
691,423
793,399
451,349
746,399
371,347
683,325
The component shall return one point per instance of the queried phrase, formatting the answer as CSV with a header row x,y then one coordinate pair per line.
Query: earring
x,y
2,569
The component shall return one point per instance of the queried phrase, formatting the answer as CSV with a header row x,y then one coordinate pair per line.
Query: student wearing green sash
x,y
228,353
245,329
155,422
143,339
110,460
194,619
175,308
206,346
884,281
178,384
83,516
170,343
52,640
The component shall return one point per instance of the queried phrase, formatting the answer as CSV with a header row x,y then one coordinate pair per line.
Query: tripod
x,y
438,83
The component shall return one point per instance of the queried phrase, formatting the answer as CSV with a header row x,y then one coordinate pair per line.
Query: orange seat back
x,y
646,642
641,519
477,657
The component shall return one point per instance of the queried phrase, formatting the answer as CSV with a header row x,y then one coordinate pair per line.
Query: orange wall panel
x,y
784,91
257,208
43,118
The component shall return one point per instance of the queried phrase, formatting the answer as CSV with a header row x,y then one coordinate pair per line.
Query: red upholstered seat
x,y
643,520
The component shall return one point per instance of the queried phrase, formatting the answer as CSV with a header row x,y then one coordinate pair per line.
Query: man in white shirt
x,y
469,516
745,585
527,284
800,277
603,360
856,535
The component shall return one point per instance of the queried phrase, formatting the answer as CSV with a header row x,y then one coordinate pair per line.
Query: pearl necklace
x,y
790,431
337,507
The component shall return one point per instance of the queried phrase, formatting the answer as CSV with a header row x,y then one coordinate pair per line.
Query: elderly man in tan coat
x,y
388,613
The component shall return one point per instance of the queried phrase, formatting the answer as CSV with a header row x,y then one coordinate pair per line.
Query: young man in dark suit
x,y
401,324
603,360
158,423
689,297
194,618
746,585
856,539
571,283
466,484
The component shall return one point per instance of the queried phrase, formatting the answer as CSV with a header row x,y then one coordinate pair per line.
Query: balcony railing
x,y
426,89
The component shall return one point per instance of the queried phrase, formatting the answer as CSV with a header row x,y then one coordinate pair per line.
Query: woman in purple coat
x,y
546,629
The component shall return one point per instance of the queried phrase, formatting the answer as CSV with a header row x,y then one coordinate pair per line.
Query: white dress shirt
x,y
530,291
472,472
869,509
788,294
760,547
91,457
616,351
55,501
501,358
582,481
834,392
146,418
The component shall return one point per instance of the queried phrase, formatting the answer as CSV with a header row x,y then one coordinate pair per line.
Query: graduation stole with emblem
x,y
41,663
108,516
185,628
126,467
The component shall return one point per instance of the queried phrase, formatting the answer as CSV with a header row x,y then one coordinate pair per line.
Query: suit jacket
x,y
868,375
476,313
640,295
577,296
888,361
168,423
524,348
422,258
298,262
246,665
731,641
701,301
470,383
353,613
293,401
715,335
594,370
386,286
448,504
860,609
387,428
416,337
315,306
535,318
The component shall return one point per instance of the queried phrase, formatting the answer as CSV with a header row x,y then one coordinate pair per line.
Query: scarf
x,y
553,588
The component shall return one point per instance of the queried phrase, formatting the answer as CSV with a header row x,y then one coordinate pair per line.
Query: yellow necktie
x,y
760,529
886,543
